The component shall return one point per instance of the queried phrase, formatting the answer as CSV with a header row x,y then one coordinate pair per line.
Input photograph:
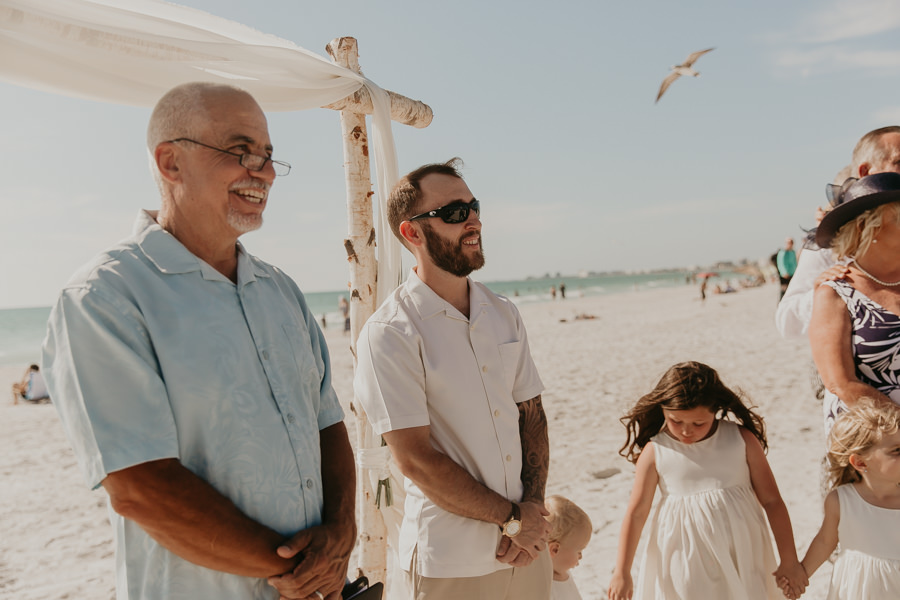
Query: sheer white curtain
x,y
133,51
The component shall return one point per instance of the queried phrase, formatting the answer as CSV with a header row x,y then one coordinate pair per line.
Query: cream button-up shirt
x,y
422,362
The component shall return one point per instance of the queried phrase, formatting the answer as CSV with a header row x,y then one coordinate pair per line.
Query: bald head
x,y
877,152
184,111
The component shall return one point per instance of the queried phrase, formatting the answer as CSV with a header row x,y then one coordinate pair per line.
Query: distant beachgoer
x,y
786,260
862,511
703,288
570,532
714,478
344,307
562,290
553,292
32,386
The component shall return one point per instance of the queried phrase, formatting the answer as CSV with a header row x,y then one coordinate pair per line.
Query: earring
x,y
874,241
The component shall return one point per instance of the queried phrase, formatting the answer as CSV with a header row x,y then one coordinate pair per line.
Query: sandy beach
x,y
57,539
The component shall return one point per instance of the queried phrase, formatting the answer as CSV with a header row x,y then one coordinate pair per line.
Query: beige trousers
x,y
518,583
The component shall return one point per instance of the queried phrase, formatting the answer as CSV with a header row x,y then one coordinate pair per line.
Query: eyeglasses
x,y
455,212
251,162
835,193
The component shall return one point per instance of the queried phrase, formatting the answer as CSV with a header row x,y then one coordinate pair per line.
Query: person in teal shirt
x,y
195,385
786,261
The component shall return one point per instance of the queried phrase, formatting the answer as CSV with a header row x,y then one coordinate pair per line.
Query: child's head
x,y
859,437
570,532
695,390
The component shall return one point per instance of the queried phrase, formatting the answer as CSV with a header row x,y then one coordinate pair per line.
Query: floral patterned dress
x,y
876,346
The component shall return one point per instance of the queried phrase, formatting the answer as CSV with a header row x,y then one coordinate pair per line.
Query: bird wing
x,y
692,58
666,83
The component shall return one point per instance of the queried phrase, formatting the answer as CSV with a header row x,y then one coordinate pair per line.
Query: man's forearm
x,y
192,519
338,478
535,449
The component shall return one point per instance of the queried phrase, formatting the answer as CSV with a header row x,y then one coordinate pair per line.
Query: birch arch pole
x,y
360,248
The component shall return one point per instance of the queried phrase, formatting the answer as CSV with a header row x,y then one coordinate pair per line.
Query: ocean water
x,y
22,330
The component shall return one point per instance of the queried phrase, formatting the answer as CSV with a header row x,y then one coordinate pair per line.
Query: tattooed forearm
x,y
535,449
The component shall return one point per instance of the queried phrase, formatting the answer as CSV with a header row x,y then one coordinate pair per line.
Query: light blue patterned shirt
x,y
153,354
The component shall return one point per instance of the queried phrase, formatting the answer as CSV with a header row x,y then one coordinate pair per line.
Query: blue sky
x,y
550,106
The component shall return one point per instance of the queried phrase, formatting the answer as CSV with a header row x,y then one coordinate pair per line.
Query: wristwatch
x,y
513,524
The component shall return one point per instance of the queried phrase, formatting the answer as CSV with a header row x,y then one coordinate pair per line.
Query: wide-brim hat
x,y
864,194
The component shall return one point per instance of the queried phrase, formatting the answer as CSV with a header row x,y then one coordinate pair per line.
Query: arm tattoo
x,y
535,449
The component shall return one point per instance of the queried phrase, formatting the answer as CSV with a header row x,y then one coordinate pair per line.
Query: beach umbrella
x,y
707,274
133,51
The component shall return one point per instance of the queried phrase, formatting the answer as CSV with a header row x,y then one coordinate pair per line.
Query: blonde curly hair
x,y
565,517
856,432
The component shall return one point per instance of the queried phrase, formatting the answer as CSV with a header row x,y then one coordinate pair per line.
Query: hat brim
x,y
844,213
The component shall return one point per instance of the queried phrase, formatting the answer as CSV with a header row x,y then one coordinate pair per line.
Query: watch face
x,y
513,528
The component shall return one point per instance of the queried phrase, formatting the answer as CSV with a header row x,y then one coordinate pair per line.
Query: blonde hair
x,y
856,432
565,517
854,237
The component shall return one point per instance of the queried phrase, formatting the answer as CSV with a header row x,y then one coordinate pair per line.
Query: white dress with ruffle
x,y
709,537
868,565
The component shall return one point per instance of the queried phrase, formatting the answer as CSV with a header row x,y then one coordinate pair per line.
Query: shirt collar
x,y
429,304
171,257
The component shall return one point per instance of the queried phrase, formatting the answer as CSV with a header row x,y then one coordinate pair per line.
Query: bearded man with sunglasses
x,y
194,383
446,377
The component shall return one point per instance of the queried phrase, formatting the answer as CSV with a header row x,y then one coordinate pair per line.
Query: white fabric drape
x,y
133,51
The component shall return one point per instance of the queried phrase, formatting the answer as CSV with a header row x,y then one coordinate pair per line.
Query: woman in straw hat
x,y
855,328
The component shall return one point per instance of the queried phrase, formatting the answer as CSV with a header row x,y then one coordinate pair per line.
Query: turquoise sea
x,y
22,329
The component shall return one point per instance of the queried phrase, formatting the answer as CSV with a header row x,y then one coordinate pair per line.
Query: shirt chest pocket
x,y
510,357
301,364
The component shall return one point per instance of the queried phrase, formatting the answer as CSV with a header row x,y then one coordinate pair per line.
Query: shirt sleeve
x,y
390,389
795,309
109,394
528,381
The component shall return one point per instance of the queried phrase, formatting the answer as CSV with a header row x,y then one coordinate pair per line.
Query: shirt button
x,y
508,458
309,483
291,419
484,369
265,355
497,413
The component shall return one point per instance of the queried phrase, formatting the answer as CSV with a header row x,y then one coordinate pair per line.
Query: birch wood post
x,y
360,247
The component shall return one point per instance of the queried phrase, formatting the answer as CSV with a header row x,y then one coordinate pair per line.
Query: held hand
x,y
791,578
325,551
535,529
832,274
621,587
509,553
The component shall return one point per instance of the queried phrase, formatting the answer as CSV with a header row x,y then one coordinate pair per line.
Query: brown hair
x,y
565,516
686,386
857,431
404,199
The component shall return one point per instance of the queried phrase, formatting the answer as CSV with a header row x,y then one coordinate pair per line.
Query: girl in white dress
x,y
863,509
709,537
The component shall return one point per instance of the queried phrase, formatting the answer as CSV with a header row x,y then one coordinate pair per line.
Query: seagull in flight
x,y
682,69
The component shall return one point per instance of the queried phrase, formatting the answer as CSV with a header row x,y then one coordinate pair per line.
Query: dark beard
x,y
451,257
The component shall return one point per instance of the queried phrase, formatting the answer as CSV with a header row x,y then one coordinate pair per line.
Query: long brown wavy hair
x,y
686,386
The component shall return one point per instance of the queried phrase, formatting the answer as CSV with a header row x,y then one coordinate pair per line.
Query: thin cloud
x,y
890,114
851,19
837,58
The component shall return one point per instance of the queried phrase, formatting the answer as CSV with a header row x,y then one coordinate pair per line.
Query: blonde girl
x,y
695,439
863,509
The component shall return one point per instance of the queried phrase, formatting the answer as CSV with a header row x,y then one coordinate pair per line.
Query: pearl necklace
x,y
872,277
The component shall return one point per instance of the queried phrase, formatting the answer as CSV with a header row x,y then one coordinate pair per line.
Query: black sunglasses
x,y
455,212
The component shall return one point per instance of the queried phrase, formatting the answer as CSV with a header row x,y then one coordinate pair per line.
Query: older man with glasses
x,y
195,385
446,377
